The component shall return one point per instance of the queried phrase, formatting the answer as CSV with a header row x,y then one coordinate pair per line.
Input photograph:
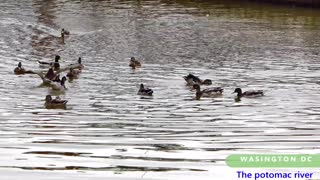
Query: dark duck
x,y
209,92
144,91
251,93
192,79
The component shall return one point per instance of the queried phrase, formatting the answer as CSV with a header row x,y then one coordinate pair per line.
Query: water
x,y
110,132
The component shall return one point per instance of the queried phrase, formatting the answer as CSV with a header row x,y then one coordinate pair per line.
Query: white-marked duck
x,y
207,92
134,63
65,32
192,79
77,65
144,91
54,103
251,93
55,64
59,86
19,69
73,73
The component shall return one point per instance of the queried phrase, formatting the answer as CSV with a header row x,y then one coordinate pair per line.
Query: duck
x,y
207,92
77,65
65,32
251,93
192,79
59,86
19,69
73,73
144,91
55,64
54,103
134,63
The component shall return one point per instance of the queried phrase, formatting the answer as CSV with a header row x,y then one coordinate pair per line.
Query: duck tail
x,y
185,78
42,62
261,92
150,92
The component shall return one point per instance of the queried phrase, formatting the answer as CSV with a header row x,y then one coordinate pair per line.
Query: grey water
x,y
108,131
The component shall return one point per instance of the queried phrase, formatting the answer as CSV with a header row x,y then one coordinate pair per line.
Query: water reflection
x,y
45,39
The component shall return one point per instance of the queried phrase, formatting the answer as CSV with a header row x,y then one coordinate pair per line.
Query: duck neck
x,y
198,95
197,87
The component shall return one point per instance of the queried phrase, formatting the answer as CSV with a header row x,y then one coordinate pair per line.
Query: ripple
x,y
109,129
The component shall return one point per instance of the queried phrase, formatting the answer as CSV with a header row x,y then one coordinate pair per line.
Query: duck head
x,y
19,64
132,59
57,58
79,60
238,91
196,87
141,86
48,98
207,82
63,80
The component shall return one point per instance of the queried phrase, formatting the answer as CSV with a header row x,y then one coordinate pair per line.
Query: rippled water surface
x,y
108,131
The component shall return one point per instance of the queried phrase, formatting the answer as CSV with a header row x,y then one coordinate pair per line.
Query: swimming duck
x,y
19,69
192,79
54,103
134,63
54,64
207,92
65,32
144,91
73,73
59,86
251,93
78,65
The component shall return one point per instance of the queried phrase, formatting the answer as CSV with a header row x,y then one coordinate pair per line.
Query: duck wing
x,y
137,63
192,79
146,91
59,101
44,63
73,66
196,79
213,90
253,93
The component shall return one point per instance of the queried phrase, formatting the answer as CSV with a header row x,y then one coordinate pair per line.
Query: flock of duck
x,y
51,78
195,82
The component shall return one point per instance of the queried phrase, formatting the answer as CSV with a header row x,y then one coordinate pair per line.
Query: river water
x,y
109,132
